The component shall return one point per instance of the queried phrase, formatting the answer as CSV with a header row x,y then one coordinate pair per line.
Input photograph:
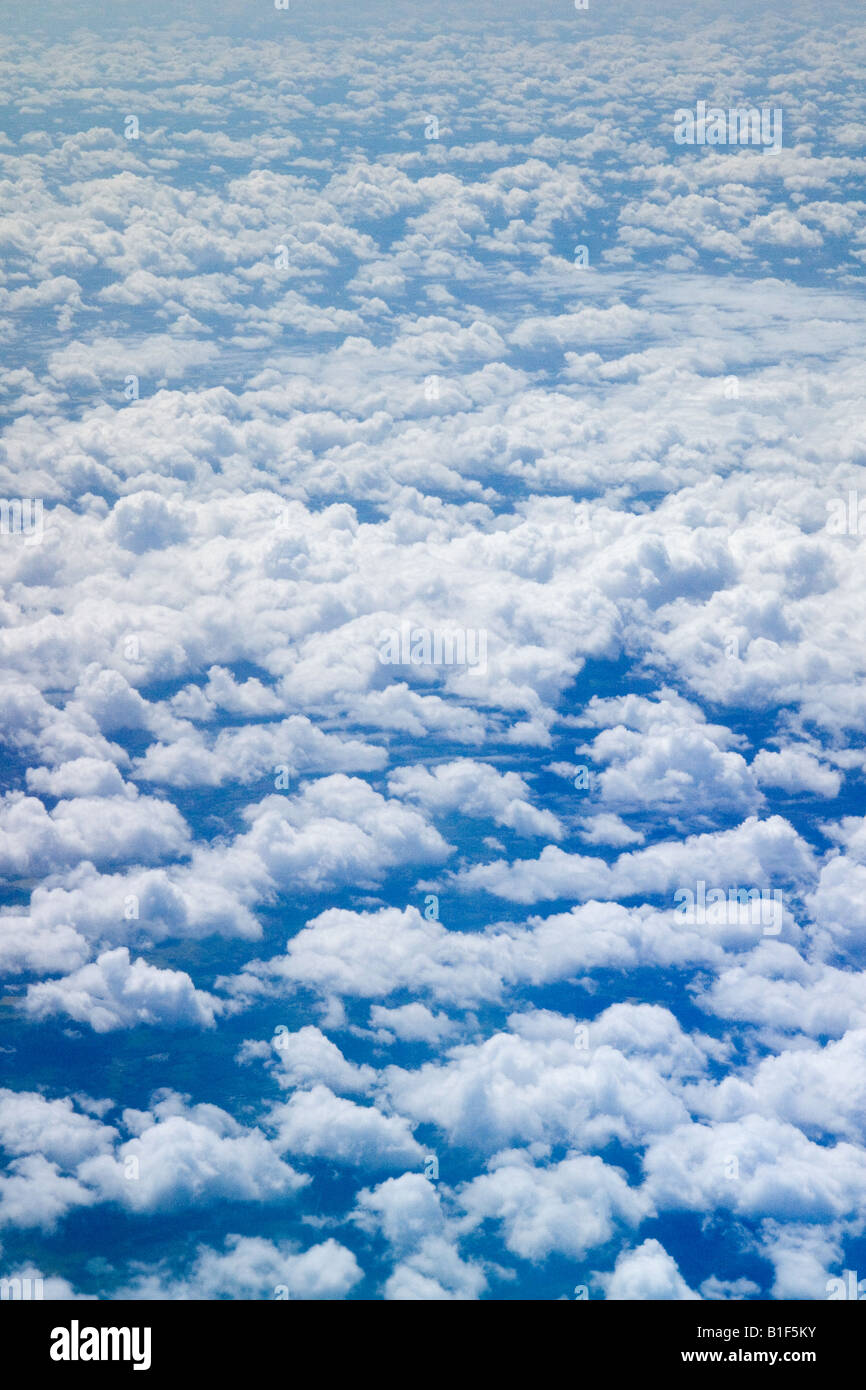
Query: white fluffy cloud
x,y
647,1273
568,1207
104,830
316,1123
178,1156
475,789
117,992
760,852
537,1084
280,388
307,1057
251,1267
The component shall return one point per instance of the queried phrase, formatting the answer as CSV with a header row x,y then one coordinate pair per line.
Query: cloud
x,y
178,1156
411,1023
250,1267
308,1057
567,1208
777,989
795,770
756,1166
184,1156
475,789
40,950
821,1090
335,831
30,1123
281,388
535,1084
318,1123
434,1272
366,955
34,1193
755,852
607,828
287,748
408,1212
117,992
80,777
104,830
647,1273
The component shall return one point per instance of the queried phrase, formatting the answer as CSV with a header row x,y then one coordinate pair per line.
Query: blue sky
x,y
327,976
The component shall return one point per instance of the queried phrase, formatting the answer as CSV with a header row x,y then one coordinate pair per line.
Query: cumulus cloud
x,y
188,1156
169,1157
316,1123
540,381
104,830
408,1212
475,789
568,1207
250,1267
308,1057
756,852
117,992
648,1273
536,1084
